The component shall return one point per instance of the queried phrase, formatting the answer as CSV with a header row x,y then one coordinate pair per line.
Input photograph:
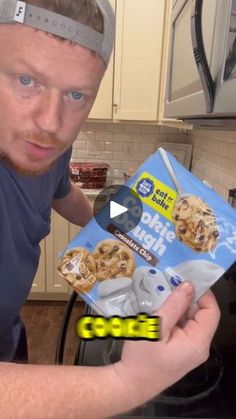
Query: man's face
x,y
47,88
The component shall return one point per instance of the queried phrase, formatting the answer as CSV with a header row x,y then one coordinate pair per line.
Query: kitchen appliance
x,y
231,273
89,175
232,197
201,78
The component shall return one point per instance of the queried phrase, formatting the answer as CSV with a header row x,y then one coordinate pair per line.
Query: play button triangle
x,y
116,209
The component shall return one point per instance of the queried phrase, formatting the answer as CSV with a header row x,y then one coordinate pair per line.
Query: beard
x,y
47,140
17,167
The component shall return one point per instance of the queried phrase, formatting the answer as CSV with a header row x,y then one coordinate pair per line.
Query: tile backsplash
x,y
123,146
126,146
214,158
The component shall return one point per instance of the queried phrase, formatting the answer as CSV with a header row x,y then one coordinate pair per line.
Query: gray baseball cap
x,y
14,11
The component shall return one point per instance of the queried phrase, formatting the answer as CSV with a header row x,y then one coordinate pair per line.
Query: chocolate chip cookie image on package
x,y
78,267
113,260
186,233
195,223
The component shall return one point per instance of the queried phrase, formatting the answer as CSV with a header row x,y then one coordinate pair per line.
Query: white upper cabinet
x,y
102,108
131,91
138,56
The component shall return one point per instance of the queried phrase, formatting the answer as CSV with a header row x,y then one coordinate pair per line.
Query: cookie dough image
x,y
145,292
150,287
116,298
78,267
113,260
195,223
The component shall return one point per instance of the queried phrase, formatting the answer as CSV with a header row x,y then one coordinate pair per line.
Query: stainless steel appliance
x,y
201,80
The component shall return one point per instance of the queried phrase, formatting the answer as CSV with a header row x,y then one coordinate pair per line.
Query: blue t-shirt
x,y
25,212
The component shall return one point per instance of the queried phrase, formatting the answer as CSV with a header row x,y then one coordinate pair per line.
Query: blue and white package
x,y
186,232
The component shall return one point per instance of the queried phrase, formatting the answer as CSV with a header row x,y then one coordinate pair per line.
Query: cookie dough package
x,y
186,232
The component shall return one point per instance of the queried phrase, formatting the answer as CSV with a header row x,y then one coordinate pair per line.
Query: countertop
x,y
92,193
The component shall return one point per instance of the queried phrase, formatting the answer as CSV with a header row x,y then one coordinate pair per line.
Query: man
x,y
50,70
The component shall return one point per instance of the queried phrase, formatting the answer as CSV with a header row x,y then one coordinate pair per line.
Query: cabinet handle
x,y
115,106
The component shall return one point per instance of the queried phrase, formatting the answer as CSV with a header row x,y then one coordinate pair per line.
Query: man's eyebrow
x,y
41,76
30,67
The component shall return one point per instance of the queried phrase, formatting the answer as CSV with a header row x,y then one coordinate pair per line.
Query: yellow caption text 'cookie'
x,y
141,327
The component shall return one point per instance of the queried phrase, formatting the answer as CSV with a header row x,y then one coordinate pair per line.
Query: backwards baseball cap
x,y
14,11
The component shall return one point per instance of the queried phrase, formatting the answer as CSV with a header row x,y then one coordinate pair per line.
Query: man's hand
x,y
146,369
150,367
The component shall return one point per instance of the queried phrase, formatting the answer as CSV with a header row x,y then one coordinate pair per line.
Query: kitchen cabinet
x,y
102,108
48,284
138,57
134,92
55,243
40,278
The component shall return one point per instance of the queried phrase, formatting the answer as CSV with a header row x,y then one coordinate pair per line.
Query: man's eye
x,y
25,80
76,95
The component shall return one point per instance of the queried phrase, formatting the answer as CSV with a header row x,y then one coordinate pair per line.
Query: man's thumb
x,y
175,306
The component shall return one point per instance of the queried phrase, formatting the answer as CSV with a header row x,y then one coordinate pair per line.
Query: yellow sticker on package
x,y
156,194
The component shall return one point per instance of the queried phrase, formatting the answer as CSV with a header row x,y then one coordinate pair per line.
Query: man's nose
x,y
48,115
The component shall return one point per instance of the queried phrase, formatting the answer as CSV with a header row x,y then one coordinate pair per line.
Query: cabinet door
x,y
73,230
138,56
102,108
55,243
39,284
